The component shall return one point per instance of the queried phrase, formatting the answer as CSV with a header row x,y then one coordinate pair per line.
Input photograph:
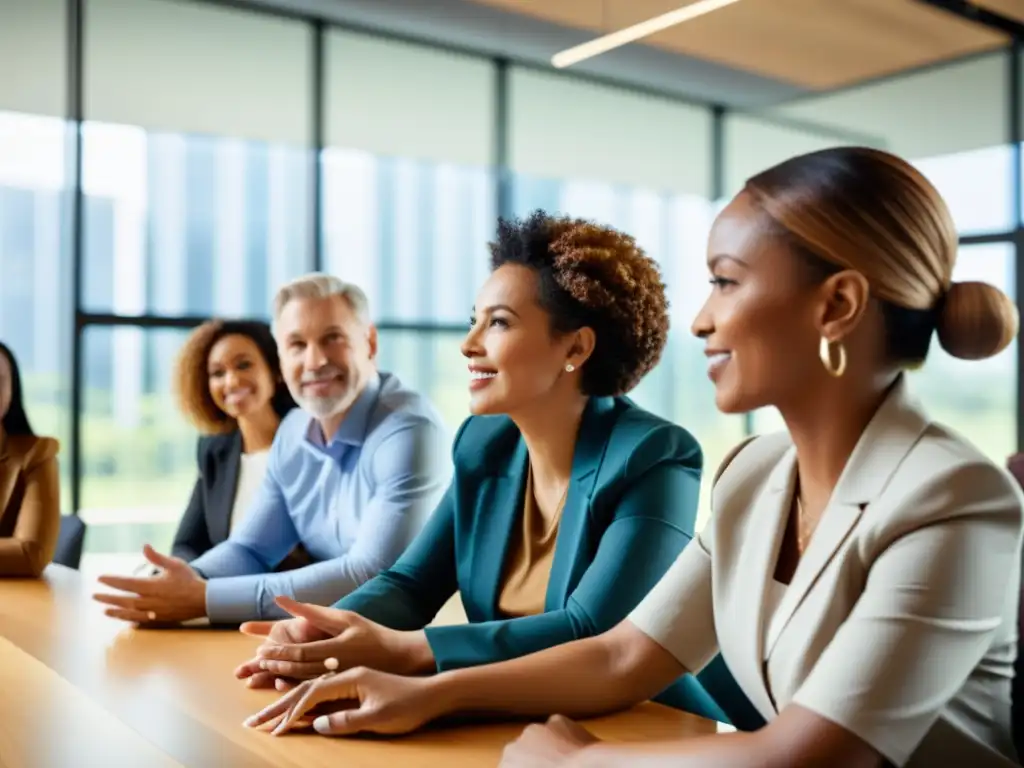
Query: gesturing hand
x,y
327,639
176,594
356,701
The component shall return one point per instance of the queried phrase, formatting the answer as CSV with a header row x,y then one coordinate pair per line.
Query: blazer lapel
x,y
499,510
892,432
221,494
836,523
755,565
573,539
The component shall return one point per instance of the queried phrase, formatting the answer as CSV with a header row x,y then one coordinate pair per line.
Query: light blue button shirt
x,y
354,503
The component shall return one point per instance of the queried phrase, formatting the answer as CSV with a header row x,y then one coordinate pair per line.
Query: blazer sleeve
x,y
935,597
193,535
34,541
678,613
645,536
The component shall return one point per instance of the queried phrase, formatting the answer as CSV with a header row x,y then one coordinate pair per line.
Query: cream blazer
x,y
900,621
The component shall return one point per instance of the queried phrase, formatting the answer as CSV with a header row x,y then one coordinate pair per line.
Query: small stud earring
x,y
569,367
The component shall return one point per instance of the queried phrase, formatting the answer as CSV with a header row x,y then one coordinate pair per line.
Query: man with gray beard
x,y
352,475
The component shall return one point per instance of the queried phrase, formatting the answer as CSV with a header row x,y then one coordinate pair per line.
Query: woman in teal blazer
x,y
571,318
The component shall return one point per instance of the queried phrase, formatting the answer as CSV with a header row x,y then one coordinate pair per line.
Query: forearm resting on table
x,y
19,557
797,738
601,674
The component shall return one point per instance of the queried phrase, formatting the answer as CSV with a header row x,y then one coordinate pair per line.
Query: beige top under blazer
x,y
900,621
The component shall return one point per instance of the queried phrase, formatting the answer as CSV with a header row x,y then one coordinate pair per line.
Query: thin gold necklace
x,y
802,536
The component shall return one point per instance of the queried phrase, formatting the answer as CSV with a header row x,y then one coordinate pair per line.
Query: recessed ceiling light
x,y
631,34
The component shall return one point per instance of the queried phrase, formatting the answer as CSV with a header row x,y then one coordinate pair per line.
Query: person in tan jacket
x,y
29,483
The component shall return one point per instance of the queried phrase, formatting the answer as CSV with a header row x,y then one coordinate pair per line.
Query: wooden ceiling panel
x,y
1013,9
824,44
817,44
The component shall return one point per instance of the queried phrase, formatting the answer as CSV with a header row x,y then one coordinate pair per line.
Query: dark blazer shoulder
x,y
641,440
216,447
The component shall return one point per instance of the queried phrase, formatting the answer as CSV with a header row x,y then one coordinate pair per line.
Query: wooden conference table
x,y
82,690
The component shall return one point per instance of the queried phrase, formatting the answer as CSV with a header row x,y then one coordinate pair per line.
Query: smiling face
x,y
327,354
514,358
241,382
760,321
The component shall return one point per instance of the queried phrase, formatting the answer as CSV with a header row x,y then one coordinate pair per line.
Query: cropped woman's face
x,y
758,323
6,384
241,382
514,357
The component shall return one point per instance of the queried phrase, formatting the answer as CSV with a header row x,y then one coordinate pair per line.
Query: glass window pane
x,y
959,143
138,452
33,44
430,362
36,305
398,99
195,68
561,127
408,205
191,225
412,233
752,144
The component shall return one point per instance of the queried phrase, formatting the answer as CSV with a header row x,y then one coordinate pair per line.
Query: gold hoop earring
x,y
569,367
825,353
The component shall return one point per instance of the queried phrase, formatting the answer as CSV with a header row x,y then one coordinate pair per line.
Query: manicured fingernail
x,y
249,722
152,615
263,664
322,724
331,663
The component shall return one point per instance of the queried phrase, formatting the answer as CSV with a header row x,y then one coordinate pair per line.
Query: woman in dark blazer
x,y
29,482
568,501
228,384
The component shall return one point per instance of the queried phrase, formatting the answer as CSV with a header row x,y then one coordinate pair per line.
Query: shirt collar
x,y
353,429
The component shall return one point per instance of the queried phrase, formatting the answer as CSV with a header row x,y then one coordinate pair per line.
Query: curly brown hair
x,y
191,381
595,276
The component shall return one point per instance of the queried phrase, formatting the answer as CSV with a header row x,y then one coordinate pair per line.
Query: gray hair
x,y
317,285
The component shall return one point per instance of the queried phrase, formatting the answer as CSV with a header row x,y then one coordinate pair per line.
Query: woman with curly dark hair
x,y
228,383
29,482
556,523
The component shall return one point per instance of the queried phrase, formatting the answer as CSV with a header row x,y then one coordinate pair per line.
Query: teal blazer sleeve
x,y
633,552
630,511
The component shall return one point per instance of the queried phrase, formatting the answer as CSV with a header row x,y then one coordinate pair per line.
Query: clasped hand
x,y
320,640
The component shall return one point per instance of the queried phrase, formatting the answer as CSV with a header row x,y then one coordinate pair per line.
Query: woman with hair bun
x,y
860,573
568,501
